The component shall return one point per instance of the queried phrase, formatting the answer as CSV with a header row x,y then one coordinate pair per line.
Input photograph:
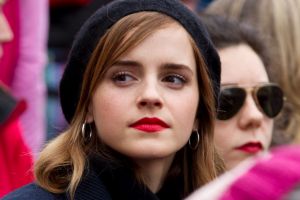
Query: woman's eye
x,y
123,78
175,80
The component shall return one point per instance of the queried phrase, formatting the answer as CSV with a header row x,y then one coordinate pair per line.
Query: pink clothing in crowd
x,y
28,80
8,61
271,176
15,157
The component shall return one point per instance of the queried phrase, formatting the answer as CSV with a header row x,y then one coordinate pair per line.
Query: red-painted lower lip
x,y
149,124
251,147
149,127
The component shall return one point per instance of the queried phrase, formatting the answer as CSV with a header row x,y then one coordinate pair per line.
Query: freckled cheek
x,y
109,103
184,112
108,109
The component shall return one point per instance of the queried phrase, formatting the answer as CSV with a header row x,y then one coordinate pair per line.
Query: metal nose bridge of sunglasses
x,y
254,93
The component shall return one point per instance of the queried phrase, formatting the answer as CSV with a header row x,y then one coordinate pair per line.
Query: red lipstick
x,y
251,147
150,124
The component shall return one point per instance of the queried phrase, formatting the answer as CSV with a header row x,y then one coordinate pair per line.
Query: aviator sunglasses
x,y
268,98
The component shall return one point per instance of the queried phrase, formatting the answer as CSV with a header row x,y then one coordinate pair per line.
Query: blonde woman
x,y
279,21
139,91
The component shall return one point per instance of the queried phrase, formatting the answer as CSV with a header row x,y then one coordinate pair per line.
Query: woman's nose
x,y
149,96
251,117
6,34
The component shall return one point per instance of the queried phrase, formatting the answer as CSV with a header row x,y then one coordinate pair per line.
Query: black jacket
x,y
103,182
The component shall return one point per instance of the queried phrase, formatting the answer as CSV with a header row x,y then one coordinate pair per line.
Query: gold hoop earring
x,y
196,144
87,135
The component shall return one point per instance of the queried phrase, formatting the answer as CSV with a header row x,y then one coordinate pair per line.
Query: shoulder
x,y
33,192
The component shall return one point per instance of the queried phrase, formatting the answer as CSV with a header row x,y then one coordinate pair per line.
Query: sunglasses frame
x,y
253,90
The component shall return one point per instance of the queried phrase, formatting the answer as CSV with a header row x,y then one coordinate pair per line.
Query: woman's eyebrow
x,y
127,63
176,66
164,66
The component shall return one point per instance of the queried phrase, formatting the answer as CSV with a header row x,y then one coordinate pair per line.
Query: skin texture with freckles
x,y
241,66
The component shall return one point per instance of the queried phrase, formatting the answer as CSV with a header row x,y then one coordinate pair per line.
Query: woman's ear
x,y
90,116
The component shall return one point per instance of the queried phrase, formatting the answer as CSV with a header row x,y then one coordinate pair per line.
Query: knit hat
x,y
96,26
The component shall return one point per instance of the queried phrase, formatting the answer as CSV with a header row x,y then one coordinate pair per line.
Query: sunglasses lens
x,y
230,102
270,99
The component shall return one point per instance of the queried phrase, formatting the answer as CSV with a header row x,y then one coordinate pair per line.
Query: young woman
x,y
139,91
248,101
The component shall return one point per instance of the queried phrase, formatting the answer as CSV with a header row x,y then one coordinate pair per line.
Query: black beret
x,y
96,26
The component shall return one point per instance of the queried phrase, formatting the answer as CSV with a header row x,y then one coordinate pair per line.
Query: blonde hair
x,y
280,24
62,163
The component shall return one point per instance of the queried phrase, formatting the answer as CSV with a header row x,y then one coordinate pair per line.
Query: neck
x,y
154,172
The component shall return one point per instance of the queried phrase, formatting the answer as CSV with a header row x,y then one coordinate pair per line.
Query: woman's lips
x,y
150,124
251,147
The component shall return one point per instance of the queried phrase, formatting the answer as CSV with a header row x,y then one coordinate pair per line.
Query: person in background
x,y
248,101
279,22
15,157
133,134
23,65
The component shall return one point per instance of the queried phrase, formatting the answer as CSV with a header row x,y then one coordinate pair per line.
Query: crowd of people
x,y
152,99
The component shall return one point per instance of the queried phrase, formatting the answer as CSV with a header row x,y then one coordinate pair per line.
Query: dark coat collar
x,y
120,183
92,188
104,182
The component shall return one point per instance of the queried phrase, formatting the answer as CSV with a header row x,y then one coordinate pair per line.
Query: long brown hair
x,y
62,163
